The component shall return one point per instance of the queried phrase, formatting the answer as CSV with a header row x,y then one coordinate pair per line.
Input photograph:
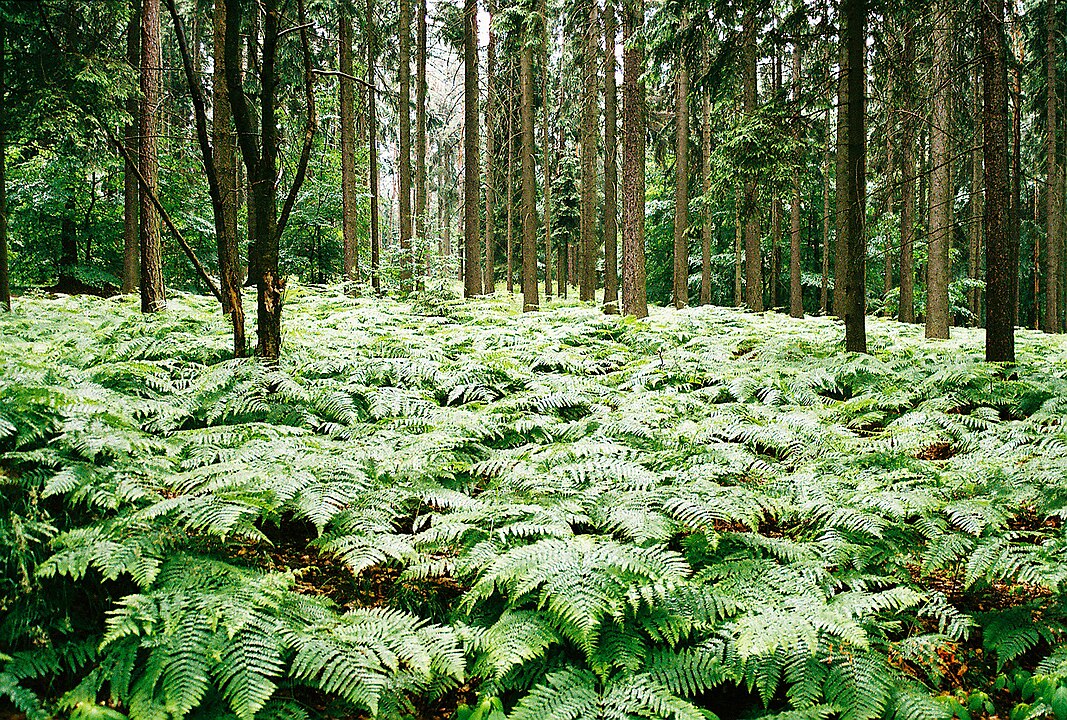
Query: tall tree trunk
x,y
420,132
796,290
824,287
739,248
941,187
634,294
1053,186
974,253
855,17
1001,248
707,226
753,256
776,200
1015,94
545,132
841,182
681,184
611,177
511,197
5,282
153,298
491,105
529,189
472,277
906,306
226,173
131,259
404,163
347,100
590,104
372,149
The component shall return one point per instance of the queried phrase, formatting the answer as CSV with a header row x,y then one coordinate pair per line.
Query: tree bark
x,y
587,262
491,104
350,247
511,197
404,163
472,277
739,248
634,294
906,305
153,298
1001,243
753,256
855,17
824,288
611,178
529,190
5,281
796,291
372,149
707,226
131,259
420,133
545,132
941,187
1053,186
681,185
841,183
974,254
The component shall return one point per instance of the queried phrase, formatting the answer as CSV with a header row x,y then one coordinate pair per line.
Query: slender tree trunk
x,y
587,261
404,162
824,287
153,298
796,291
491,104
855,17
941,186
841,182
1053,186
545,131
1001,243
230,280
350,247
372,148
131,259
611,178
511,197
776,244
1015,94
739,248
753,256
974,254
530,300
906,307
420,134
472,278
5,282
707,226
634,294
681,185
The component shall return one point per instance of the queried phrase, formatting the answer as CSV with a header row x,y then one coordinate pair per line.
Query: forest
x,y
533,360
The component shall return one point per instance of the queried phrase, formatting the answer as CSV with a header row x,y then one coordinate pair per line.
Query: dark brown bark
x,y
587,246
681,184
739,248
545,131
5,281
529,190
1002,249
841,182
153,298
491,104
824,287
347,112
372,148
511,199
906,307
974,254
941,188
404,163
796,290
707,228
131,258
611,177
750,208
634,297
855,19
1053,186
421,89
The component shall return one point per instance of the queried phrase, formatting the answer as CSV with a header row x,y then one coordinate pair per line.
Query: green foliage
x,y
580,516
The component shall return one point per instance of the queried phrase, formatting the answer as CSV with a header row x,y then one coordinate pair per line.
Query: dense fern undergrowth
x,y
437,510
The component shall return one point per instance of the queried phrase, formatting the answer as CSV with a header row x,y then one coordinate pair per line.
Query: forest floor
x,y
441,504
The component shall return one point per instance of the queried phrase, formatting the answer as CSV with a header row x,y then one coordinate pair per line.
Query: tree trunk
x,y
491,104
906,306
420,134
472,277
511,199
753,256
611,176
131,259
634,294
587,245
529,190
739,248
153,298
941,188
1053,186
841,182
350,247
372,149
681,185
855,17
225,160
5,282
707,226
824,287
545,132
404,162
974,254
796,291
